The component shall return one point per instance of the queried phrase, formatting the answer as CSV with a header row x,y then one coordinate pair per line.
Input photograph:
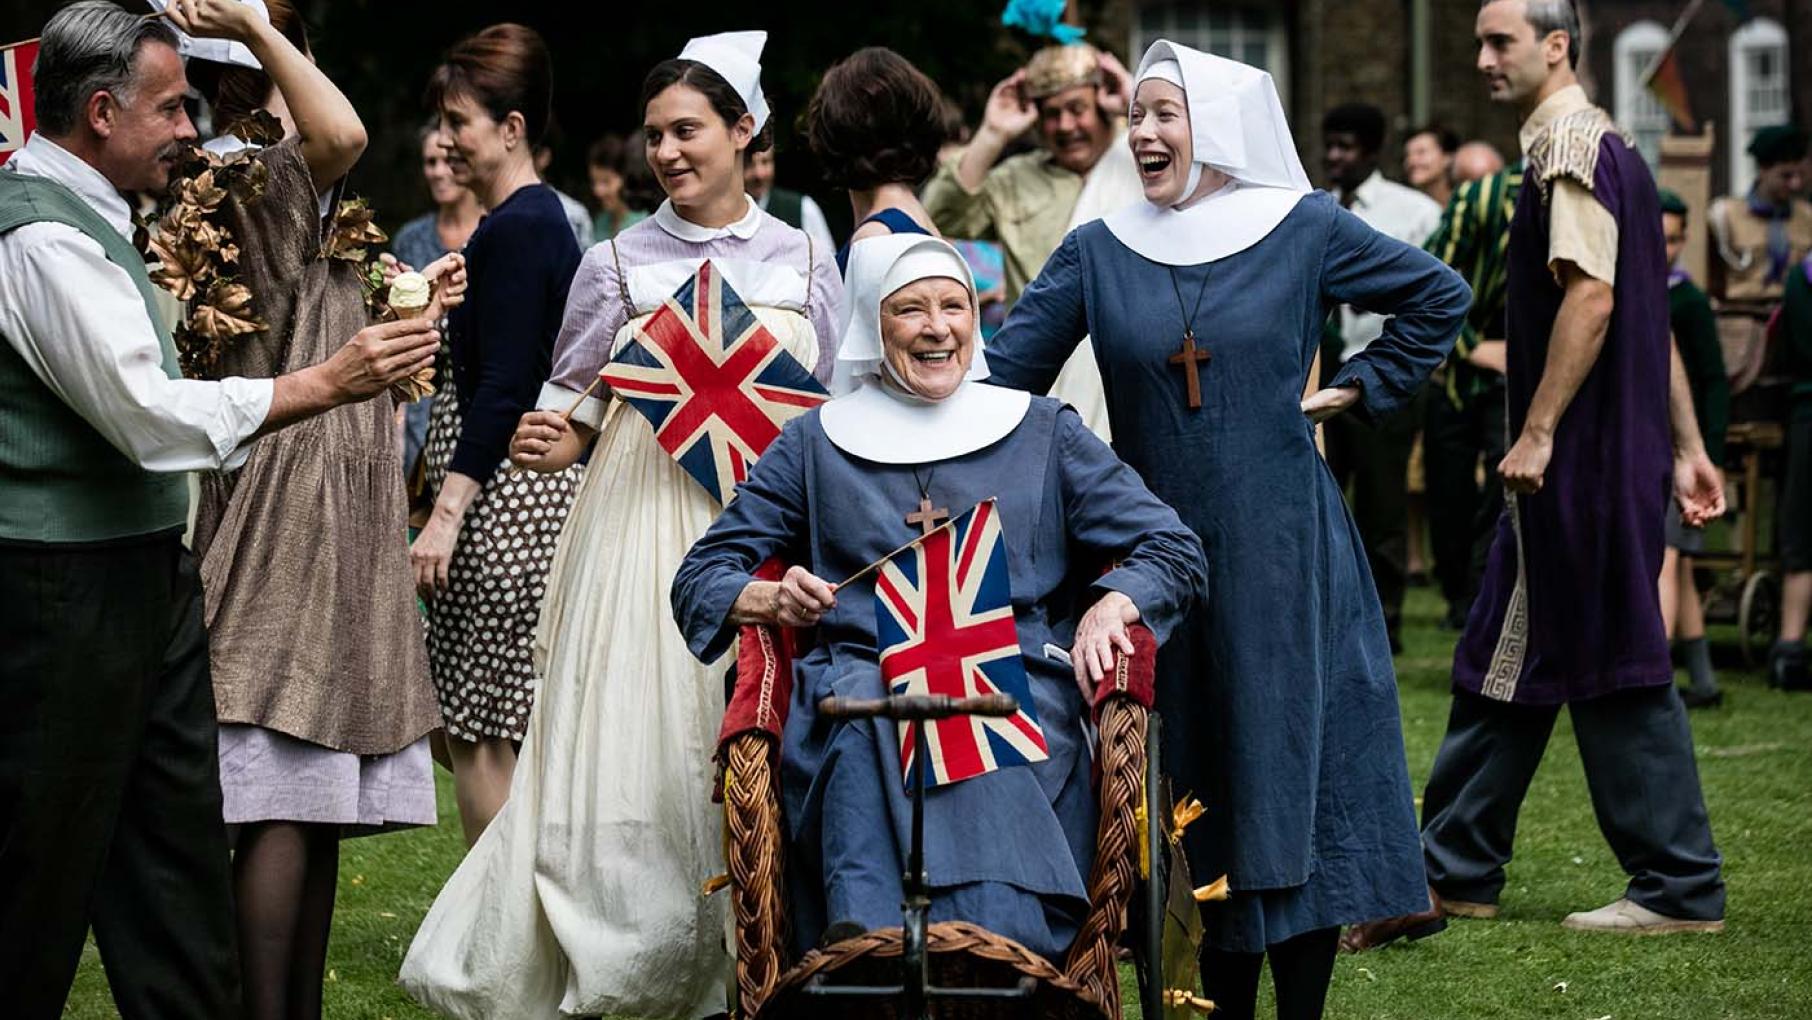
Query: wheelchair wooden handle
x,y
917,706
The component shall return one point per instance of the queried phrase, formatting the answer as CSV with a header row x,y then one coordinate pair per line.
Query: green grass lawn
x,y
1755,756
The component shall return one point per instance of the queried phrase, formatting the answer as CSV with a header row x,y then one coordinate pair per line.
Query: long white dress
x,y
585,894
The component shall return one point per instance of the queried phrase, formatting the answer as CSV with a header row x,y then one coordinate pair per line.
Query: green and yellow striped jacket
x,y
1474,238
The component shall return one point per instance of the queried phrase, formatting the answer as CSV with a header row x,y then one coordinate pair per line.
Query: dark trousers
x,y
110,784
1636,747
1462,514
1373,461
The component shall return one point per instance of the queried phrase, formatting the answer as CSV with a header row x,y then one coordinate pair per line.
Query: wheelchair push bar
x,y
915,990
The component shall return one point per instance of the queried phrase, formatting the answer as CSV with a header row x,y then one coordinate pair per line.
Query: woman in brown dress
x,y
320,675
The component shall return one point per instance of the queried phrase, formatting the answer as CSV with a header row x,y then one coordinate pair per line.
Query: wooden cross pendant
x,y
927,517
1188,358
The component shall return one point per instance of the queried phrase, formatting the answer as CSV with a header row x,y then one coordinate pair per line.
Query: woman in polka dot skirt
x,y
481,561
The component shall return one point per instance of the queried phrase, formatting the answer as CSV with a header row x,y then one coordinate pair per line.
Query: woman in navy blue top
x,y
482,559
875,125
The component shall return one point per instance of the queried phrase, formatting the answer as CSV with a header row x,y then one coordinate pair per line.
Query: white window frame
x,y
1276,37
1638,111
1745,120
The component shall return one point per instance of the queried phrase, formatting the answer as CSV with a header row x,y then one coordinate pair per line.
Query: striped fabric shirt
x,y
1474,238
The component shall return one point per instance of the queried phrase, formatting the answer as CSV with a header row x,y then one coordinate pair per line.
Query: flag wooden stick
x,y
876,565
566,415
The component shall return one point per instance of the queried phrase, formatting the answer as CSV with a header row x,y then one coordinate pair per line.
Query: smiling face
x,y
928,335
1424,161
438,170
695,156
1514,62
144,127
1160,140
480,148
1073,128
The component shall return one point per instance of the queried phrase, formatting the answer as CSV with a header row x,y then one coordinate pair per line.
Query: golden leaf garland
x,y
195,249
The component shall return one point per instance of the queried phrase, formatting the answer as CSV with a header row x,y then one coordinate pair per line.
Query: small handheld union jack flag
x,y
944,625
713,381
17,118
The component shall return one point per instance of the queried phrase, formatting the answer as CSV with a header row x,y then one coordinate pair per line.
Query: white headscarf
x,y
1236,126
878,266
882,422
736,56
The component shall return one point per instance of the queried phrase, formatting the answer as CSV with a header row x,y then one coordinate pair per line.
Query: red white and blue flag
x,y
944,625
713,382
17,119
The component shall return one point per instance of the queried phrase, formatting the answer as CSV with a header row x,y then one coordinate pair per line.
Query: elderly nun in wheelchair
x,y
911,443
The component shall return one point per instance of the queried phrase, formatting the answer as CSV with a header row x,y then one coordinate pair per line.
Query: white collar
x,y
42,157
1367,191
875,424
668,218
1225,223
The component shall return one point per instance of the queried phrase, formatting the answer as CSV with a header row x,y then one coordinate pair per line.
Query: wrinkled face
x,y
1073,128
693,153
144,127
437,170
928,335
607,187
479,145
1673,231
1424,162
1514,62
1160,140
758,173
1781,182
1347,162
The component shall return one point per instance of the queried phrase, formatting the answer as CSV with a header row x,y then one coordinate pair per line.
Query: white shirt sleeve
x,y
79,323
812,221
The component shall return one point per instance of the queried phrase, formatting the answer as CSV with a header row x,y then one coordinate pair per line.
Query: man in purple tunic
x,y
1569,613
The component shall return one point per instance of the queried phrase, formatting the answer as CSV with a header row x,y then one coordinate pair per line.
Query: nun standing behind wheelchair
x,y
1009,848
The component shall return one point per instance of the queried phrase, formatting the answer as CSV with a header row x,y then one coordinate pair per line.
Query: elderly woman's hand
x,y
1100,635
799,599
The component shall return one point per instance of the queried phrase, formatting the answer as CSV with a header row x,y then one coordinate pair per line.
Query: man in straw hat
x,y
1076,96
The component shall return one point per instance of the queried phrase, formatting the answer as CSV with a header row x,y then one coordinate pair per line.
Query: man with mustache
x,y
1076,97
110,803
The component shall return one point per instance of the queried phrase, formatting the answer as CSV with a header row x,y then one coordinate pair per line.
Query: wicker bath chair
x,y
770,984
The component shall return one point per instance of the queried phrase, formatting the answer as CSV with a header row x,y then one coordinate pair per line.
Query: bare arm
x,y
1007,117
1573,348
333,137
1698,484
366,366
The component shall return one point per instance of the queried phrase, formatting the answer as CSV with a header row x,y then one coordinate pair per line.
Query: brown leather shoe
x,y
1372,934
1475,911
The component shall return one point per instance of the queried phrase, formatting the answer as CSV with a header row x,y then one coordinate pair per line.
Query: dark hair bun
x,y
503,68
875,120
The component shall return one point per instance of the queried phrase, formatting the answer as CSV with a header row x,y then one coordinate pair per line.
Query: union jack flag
x,y
713,381
944,625
17,119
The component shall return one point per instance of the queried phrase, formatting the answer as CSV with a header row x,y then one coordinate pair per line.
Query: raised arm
x,y
956,196
333,138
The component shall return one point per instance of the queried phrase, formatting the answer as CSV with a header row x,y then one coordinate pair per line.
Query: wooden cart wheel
x,y
1758,617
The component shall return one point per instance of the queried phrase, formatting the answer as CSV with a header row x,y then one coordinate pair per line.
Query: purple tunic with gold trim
x,y
1569,608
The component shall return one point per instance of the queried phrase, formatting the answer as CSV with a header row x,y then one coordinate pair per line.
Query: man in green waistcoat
x,y
110,808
